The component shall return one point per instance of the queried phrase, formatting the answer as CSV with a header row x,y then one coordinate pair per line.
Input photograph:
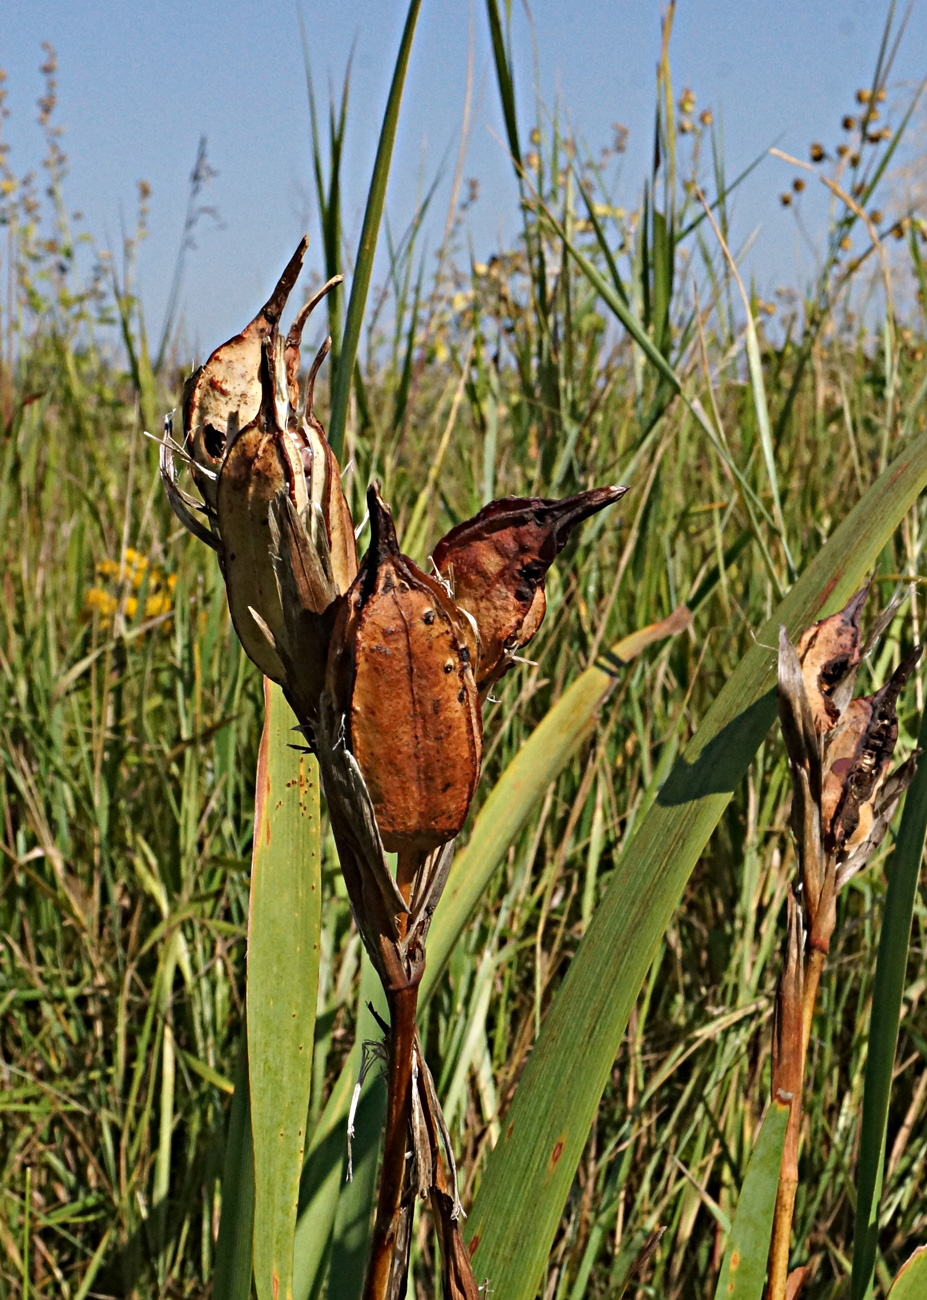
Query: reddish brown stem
x,y
387,1266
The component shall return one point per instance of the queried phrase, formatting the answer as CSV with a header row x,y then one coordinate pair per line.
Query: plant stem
x,y
788,1177
387,1266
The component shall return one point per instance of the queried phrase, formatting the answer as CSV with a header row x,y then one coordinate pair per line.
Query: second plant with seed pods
x,y
386,668
839,751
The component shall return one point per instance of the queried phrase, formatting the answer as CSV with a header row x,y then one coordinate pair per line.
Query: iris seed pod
x,y
262,463
272,495
224,394
401,672
496,563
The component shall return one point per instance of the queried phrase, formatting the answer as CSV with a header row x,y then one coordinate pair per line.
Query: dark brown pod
x,y
496,563
857,761
401,670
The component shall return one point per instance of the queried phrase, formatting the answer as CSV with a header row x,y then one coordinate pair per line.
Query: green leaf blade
x,y
373,213
743,1271
887,993
911,1282
283,971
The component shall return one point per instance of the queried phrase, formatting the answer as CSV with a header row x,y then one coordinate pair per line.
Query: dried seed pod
x,y
262,464
272,493
224,395
400,670
496,564
829,653
328,506
857,761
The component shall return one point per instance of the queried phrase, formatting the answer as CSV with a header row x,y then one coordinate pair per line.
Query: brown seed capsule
x,y
857,761
496,564
224,395
400,669
829,652
261,464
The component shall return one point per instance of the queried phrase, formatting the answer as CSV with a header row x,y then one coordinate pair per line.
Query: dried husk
x,y
829,653
224,395
496,563
272,495
402,672
858,755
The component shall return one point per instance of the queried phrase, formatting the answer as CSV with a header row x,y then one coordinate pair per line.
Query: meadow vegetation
x,y
130,718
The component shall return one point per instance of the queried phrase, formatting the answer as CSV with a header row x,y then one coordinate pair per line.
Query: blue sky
x,y
139,84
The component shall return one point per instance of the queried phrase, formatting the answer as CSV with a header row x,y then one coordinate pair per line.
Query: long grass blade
x,y
283,970
743,1271
363,267
232,1280
552,1111
887,993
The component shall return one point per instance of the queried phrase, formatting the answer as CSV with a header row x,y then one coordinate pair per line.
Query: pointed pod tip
x,y
273,308
383,540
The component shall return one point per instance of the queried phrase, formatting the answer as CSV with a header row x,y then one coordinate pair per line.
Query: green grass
x,y
129,736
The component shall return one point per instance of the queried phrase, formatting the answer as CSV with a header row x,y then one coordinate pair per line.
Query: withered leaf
x,y
224,395
496,564
829,653
857,760
400,668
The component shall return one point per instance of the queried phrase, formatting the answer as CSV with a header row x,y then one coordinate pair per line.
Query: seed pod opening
x,y
262,464
402,673
496,564
223,396
858,759
829,653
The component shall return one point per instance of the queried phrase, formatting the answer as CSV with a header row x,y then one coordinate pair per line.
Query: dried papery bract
x,y
839,752
496,563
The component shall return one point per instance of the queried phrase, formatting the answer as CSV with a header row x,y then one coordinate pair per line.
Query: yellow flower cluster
x,y
117,580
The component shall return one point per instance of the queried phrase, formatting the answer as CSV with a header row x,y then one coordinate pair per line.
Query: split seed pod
x,y
496,563
857,761
224,394
402,673
272,495
829,653
261,466
839,752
